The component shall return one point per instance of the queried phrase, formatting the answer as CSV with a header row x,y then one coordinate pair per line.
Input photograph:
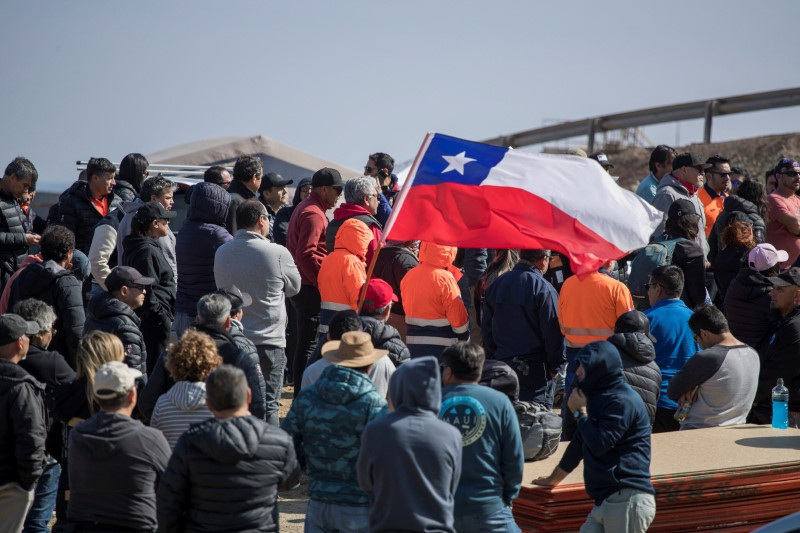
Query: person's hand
x,y
688,396
32,239
545,481
577,400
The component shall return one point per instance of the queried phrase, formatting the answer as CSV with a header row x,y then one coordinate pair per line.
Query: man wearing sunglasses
x,y
716,188
783,229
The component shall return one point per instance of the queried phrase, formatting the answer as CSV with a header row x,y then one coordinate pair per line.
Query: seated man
x,y
720,381
115,462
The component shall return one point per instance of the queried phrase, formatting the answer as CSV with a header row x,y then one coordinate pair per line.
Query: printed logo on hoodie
x,y
467,415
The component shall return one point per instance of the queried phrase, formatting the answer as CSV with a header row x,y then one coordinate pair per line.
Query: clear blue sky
x,y
342,79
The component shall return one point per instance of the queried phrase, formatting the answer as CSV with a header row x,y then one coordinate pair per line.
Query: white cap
x,y
114,379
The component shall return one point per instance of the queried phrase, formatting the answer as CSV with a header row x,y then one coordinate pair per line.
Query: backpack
x,y
499,376
655,254
540,429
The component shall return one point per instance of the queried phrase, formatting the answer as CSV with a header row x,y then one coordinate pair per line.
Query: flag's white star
x,y
457,162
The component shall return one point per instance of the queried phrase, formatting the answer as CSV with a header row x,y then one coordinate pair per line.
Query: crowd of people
x,y
141,370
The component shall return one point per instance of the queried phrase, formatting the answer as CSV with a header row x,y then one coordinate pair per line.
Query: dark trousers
x,y
665,421
291,337
306,305
535,384
156,336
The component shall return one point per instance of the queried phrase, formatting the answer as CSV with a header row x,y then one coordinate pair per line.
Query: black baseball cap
x,y
153,211
126,276
634,322
602,158
327,176
790,277
12,327
682,207
237,298
272,179
689,159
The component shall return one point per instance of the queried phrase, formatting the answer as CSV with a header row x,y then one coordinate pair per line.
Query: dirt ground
x,y
292,504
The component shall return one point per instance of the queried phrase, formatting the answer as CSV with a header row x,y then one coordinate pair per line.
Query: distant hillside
x,y
756,155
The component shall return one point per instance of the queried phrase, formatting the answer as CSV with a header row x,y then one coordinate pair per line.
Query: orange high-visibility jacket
x,y
589,308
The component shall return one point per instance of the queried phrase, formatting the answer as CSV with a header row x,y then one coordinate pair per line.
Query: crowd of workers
x,y
114,425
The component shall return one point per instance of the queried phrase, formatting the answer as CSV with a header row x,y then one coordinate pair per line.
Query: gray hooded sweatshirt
x,y
410,460
180,407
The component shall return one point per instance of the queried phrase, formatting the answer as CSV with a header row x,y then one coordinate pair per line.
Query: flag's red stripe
x,y
498,217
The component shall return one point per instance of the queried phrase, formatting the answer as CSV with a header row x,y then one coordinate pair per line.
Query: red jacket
x,y
305,237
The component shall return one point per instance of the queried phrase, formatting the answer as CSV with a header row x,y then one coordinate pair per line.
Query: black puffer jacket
x,y
746,306
386,337
639,366
22,426
12,234
735,204
779,360
727,265
58,287
281,224
688,256
145,255
237,466
160,381
76,212
125,191
107,313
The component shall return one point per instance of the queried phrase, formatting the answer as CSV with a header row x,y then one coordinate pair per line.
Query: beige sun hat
x,y
355,350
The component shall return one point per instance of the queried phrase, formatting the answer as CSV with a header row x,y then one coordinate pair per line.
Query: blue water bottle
x,y
780,406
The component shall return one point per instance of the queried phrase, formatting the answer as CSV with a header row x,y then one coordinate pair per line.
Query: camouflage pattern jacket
x,y
326,421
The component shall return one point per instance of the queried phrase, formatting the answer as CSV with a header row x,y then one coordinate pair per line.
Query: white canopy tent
x,y
275,156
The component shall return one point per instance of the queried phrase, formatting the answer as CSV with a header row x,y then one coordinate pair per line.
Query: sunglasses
x,y
720,173
137,286
791,174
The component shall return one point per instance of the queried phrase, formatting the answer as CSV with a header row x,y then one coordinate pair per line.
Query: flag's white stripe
x,y
582,189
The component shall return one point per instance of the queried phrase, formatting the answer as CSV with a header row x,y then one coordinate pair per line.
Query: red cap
x,y
379,294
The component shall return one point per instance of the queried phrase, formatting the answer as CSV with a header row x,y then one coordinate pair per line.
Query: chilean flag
x,y
472,195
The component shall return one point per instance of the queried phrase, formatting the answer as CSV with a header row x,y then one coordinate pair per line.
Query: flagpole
x,y
401,196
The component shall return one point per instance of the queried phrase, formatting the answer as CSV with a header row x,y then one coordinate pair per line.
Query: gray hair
x,y
357,188
36,311
213,310
226,388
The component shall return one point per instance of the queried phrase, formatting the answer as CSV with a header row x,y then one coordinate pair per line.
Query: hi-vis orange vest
x,y
588,309
711,206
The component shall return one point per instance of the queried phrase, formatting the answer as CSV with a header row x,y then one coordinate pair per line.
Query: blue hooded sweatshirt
x,y
614,440
410,461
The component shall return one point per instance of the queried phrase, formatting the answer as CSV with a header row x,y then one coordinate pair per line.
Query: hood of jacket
x,y
132,206
303,183
125,190
437,255
750,284
421,390
11,375
229,440
209,203
102,434
340,386
354,236
635,345
188,395
603,367
105,305
668,180
737,203
349,210
40,277
380,332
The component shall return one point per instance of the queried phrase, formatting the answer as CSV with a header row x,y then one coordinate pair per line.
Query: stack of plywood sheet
x,y
723,479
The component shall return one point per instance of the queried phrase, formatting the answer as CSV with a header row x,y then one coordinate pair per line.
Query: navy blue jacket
x,y
520,318
614,440
197,242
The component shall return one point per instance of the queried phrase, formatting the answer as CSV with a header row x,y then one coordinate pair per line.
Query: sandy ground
x,y
292,504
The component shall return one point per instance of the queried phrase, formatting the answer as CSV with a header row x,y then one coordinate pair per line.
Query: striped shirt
x,y
180,407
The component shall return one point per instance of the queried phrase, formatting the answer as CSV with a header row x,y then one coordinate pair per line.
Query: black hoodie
x,y
639,366
58,287
22,426
115,463
145,255
614,440
747,308
224,475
